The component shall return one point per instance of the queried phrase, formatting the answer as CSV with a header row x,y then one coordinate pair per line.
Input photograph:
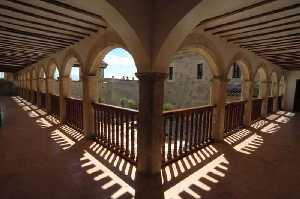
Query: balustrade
x,y
43,100
74,113
116,129
279,105
234,116
185,131
256,109
270,105
54,105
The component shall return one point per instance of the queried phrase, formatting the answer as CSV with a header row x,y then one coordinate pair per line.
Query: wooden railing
x,y
279,105
43,100
256,109
34,97
116,129
54,106
185,131
270,105
234,116
74,113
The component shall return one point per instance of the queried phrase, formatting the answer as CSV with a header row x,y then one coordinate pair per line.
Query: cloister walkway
x,y
41,158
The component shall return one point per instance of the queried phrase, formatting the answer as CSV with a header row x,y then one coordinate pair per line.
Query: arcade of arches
x,y
204,80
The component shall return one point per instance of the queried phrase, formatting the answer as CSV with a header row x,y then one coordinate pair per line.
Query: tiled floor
x,y
41,158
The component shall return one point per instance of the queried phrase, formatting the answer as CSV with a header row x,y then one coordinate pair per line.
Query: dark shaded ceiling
x,y
32,29
269,28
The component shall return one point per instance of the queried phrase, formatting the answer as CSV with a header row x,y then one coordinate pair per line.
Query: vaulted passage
x,y
42,158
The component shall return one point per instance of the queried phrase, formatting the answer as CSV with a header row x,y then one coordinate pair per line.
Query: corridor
x,y
41,158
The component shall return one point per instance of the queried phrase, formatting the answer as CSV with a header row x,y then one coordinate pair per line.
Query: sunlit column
x,y
90,95
64,91
275,95
218,93
247,92
264,94
150,135
49,89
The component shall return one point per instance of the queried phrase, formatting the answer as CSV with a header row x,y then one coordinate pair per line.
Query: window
x,y
236,72
75,73
56,74
171,72
199,71
1,75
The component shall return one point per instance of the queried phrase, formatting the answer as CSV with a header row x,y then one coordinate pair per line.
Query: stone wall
x,y
186,90
116,89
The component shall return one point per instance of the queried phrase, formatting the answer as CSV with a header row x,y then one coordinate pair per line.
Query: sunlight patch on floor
x,y
270,128
72,132
191,184
43,123
283,119
175,169
259,124
237,136
61,139
101,172
249,145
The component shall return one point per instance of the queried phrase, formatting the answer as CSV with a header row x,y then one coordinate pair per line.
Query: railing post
x,y
247,92
48,86
90,93
64,91
150,135
218,97
265,86
275,101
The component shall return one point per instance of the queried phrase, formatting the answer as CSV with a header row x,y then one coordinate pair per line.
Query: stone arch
x,y
42,71
71,56
274,84
97,53
51,66
282,85
242,60
261,72
203,46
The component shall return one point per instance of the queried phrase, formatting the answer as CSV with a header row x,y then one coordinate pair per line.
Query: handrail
x,y
189,109
115,107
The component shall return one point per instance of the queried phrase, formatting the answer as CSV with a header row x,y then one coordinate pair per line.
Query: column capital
x,y
151,76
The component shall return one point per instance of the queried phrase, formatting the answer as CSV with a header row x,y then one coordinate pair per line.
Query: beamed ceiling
x,y
269,28
32,29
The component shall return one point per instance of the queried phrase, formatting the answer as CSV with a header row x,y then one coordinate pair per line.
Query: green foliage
x,y
124,102
128,103
132,104
168,106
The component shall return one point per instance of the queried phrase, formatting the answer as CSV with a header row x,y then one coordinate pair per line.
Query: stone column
x,y
150,135
90,95
275,95
264,94
247,92
64,91
101,81
218,93
48,88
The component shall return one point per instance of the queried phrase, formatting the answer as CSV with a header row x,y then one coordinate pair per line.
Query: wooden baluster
x,y
127,135
186,134
132,136
163,147
210,123
108,127
181,132
170,119
197,129
201,128
176,136
192,128
118,129
113,129
122,132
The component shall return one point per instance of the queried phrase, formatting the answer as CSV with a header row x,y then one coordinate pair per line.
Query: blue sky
x,y
120,63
